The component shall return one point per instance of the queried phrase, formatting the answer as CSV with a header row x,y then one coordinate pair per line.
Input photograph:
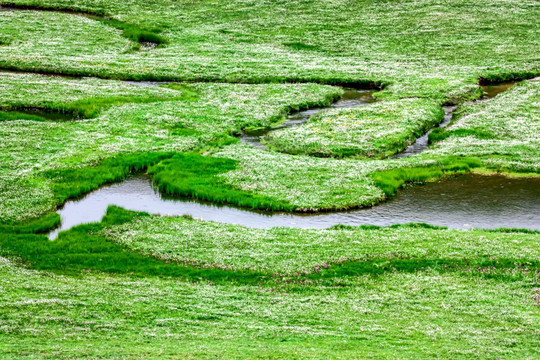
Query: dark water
x,y
350,99
493,90
467,201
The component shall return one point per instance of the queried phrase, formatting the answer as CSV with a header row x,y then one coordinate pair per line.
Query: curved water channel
x,y
355,98
351,98
463,202
467,201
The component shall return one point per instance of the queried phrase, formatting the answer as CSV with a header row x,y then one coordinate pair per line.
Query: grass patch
x,y
134,32
301,46
375,131
389,181
129,31
85,248
33,226
439,134
71,183
79,109
195,176
89,247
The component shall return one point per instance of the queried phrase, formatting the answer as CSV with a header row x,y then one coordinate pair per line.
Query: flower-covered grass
x,y
421,292
375,131
504,131
141,286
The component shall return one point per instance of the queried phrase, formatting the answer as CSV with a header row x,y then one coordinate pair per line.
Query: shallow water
x,y
422,142
462,202
351,98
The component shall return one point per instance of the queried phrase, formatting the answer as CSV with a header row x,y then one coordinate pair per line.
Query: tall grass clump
x,y
134,32
33,226
71,183
195,176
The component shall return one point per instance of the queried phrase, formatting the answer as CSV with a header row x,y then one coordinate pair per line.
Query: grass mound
x,y
195,176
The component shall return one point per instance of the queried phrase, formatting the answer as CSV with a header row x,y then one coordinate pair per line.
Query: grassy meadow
x,y
93,91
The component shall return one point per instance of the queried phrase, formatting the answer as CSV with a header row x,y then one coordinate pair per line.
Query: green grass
x,y
374,131
445,315
440,134
85,248
118,244
71,183
389,181
129,31
175,287
195,176
40,225
502,131
306,252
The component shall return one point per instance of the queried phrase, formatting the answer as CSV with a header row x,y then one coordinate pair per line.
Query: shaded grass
x,y
389,181
16,115
134,32
33,226
83,108
195,176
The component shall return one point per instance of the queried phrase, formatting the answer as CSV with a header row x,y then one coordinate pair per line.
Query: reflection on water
x,y
467,201
493,90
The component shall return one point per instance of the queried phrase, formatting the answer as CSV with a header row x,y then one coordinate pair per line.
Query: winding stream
x,y
467,201
351,98
354,98
462,202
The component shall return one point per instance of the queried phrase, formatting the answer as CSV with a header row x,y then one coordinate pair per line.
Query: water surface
x,y
462,202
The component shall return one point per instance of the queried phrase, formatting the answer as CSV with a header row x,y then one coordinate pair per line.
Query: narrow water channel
x,y
462,202
421,144
351,98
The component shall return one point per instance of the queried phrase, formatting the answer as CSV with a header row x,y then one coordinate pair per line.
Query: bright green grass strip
x,y
15,115
34,226
439,134
390,181
195,176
